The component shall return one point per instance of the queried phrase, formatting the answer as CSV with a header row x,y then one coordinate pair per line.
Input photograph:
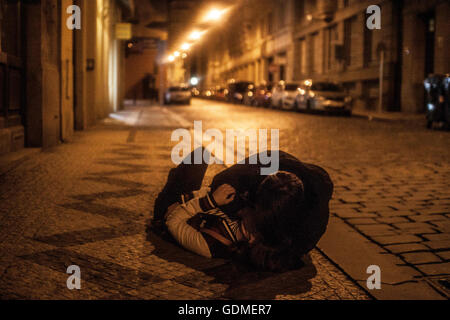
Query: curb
x,y
353,253
375,117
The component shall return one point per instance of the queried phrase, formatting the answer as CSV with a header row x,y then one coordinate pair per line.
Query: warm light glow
x,y
171,58
195,35
214,15
194,81
176,53
184,55
185,46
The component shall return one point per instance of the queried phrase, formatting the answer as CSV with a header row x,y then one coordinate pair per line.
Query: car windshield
x,y
291,87
172,89
242,86
326,86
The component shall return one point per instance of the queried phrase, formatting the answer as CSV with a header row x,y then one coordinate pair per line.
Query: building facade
x,y
54,80
144,51
294,40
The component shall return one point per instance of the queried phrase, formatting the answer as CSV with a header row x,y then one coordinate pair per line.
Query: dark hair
x,y
274,222
268,258
279,198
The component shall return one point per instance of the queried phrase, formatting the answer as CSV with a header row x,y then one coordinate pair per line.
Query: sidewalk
x,y
10,160
87,203
389,116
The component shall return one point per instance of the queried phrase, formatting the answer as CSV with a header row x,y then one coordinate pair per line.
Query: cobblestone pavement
x,y
87,203
392,179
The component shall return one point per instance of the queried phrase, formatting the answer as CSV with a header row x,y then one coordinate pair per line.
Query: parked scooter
x,y
437,99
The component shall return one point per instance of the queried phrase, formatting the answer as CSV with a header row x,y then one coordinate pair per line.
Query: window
x,y
347,41
368,43
299,10
303,57
281,14
326,86
316,55
9,28
262,28
331,38
270,23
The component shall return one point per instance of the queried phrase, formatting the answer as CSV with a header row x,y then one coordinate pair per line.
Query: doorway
x,y
430,26
282,72
12,97
67,75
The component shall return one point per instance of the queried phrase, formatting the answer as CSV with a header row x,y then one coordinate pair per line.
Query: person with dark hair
x,y
269,221
302,222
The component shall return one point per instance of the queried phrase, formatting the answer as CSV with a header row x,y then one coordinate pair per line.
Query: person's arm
x,y
177,220
184,234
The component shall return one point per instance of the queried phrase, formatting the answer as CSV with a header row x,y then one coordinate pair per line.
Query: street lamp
x,y
195,35
176,54
194,81
214,15
171,58
185,46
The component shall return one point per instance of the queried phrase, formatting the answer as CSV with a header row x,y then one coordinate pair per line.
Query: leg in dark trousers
x,y
183,179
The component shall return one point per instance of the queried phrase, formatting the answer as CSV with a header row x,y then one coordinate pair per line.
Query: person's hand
x,y
224,194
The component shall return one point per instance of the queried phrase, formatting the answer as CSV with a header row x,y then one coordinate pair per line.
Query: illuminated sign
x,y
123,31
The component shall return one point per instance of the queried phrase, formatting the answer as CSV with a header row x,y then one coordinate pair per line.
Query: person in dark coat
x,y
318,189
284,214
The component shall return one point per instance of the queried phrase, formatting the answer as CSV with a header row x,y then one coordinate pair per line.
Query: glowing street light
x,y
185,46
194,81
214,15
176,53
184,55
171,58
195,35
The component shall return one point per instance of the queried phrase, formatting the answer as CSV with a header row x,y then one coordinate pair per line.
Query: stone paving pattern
x,y
87,203
392,179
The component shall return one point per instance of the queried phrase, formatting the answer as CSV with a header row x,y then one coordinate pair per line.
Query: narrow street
x,y
87,203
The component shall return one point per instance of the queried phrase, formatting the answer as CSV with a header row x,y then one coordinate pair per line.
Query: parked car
x,y
178,94
437,99
323,96
221,93
208,93
249,95
262,95
195,92
237,91
284,94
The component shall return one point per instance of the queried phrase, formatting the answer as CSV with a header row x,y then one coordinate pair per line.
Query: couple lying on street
x,y
268,221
